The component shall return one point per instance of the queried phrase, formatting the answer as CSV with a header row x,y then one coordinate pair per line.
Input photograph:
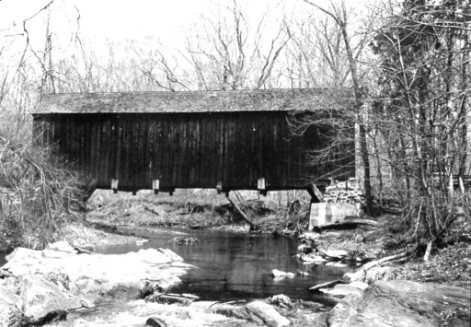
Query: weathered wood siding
x,y
186,150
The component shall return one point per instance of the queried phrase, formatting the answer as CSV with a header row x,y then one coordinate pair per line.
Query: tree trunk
x,y
361,116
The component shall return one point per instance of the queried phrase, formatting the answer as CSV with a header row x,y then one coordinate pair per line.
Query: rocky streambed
x,y
66,286
61,286
39,286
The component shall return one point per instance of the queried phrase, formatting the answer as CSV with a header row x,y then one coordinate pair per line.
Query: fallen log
x,y
361,274
169,298
378,262
331,283
253,226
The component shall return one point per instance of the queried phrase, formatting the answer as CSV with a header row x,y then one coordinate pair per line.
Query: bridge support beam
x,y
219,187
316,195
114,185
317,209
156,186
261,186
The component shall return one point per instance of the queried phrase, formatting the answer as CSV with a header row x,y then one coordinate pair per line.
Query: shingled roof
x,y
195,101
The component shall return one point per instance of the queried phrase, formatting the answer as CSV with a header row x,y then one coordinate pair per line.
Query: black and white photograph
x,y
233,163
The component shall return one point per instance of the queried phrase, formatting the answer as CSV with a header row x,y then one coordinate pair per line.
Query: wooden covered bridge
x,y
229,140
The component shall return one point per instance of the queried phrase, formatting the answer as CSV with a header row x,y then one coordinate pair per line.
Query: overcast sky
x,y
167,20
124,19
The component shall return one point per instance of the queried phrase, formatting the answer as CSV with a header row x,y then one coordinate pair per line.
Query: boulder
x,y
96,274
40,297
402,304
255,311
280,300
370,275
278,274
155,322
235,311
341,290
10,309
51,282
267,313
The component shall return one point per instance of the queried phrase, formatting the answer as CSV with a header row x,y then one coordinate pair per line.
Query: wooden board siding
x,y
185,150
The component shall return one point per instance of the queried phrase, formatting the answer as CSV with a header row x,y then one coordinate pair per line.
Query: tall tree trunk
x,y
360,110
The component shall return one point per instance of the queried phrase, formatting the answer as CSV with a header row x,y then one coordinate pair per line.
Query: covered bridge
x,y
227,140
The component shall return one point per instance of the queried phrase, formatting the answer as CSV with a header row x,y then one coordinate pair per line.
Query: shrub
x,y
36,193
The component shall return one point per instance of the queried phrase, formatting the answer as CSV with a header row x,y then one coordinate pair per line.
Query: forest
x,y
406,67
406,63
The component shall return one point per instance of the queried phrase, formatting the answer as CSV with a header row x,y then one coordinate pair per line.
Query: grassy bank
x,y
198,209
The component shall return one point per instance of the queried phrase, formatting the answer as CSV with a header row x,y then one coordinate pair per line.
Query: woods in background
x,y
406,65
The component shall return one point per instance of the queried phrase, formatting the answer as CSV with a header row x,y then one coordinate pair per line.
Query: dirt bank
x,y
198,209
394,285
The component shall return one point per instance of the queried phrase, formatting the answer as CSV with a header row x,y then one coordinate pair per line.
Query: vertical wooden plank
x,y
163,154
149,150
173,150
96,148
124,162
119,148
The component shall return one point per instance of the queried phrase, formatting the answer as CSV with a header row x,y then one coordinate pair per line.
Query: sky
x,y
124,19
119,20
167,23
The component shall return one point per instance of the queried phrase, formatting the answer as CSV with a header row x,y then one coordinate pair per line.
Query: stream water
x,y
234,266
229,266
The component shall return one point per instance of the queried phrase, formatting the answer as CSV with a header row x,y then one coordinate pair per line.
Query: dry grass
x,y
191,208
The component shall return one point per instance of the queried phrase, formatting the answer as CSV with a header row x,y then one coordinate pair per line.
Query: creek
x,y
232,266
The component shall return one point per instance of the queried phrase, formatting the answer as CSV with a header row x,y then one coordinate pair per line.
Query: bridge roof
x,y
195,101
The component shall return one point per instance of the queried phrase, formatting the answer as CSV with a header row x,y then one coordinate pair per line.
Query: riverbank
x,y
447,268
415,292
198,209
396,283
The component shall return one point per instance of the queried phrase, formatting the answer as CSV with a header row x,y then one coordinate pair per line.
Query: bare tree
x,y
228,55
424,82
339,15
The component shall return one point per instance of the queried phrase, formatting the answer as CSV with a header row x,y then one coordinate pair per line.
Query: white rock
x,y
341,290
360,285
267,313
10,308
278,273
40,297
312,259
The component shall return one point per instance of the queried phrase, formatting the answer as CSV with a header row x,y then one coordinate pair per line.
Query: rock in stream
x,y
47,283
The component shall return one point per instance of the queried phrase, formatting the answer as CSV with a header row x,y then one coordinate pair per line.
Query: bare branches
x,y
424,89
272,56
229,55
